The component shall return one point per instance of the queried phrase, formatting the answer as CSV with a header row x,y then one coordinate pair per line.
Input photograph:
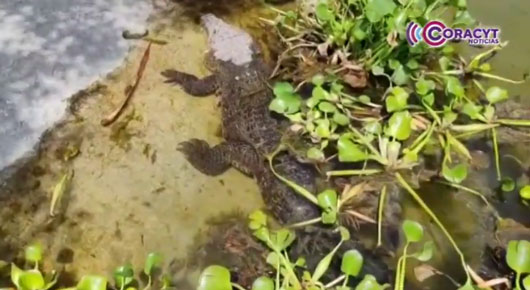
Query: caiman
x,y
251,133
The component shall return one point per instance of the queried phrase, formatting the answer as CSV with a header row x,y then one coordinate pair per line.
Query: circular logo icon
x,y
432,33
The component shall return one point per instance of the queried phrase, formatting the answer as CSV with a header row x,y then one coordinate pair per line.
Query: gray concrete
x,y
50,49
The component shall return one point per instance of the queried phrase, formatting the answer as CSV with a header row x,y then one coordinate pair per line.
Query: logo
x,y
436,34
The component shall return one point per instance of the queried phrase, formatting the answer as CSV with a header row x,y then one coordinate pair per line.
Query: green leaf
x,y
31,280
263,283
518,256
123,275
378,70
349,151
525,192
413,64
399,126
508,184
372,127
397,101
496,94
92,282
489,112
315,154
352,262
341,119
444,63
526,282
323,12
215,278
273,260
463,19
426,253
323,128
33,253
152,261
377,9
327,199
400,77
16,272
453,86
344,233
257,220
281,239
369,283
318,80
467,286
429,99
364,99
418,8
456,174
423,87
327,107
286,100
413,231
472,110
323,265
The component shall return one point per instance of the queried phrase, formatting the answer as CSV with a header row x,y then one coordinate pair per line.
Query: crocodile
x,y
251,133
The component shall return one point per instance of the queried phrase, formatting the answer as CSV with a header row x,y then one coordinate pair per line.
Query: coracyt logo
x,y
436,34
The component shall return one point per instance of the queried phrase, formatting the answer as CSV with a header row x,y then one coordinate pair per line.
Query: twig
x,y
129,91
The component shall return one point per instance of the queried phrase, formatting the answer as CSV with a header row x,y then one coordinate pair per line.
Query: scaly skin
x,y
251,133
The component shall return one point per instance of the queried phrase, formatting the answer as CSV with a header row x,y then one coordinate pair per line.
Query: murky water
x,y
134,193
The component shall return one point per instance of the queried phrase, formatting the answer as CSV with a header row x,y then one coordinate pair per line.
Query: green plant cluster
x,y
124,277
416,100
287,276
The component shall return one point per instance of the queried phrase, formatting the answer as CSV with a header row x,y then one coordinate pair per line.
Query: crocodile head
x,y
228,43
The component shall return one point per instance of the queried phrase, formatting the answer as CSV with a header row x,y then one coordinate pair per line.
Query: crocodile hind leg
x,y
217,159
192,84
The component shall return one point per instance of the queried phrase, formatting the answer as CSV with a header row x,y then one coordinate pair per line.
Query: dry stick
x,y
129,92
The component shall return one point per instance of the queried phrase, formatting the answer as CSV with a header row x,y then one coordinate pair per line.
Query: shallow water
x,y
134,193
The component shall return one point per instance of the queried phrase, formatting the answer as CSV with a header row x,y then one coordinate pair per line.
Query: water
x,y
48,51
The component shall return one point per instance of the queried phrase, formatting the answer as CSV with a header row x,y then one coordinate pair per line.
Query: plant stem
x,y
499,78
403,268
299,189
514,122
238,286
435,219
496,150
337,281
353,172
518,281
306,223
148,283
380,216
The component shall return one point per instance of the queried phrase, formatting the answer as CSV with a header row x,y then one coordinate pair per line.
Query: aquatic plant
x,y
413,234
35,279
379,104
518,258
216,277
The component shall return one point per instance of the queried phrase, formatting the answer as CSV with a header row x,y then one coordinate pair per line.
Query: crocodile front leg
x,y
191,84
217,159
